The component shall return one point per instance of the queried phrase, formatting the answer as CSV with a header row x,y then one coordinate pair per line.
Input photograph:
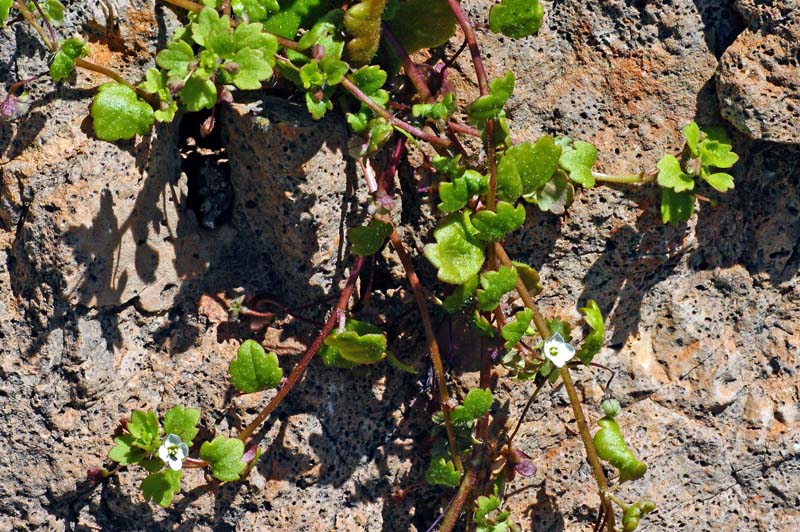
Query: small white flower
x,y
173,452
558,351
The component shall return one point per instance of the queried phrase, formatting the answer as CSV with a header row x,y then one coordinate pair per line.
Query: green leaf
x,y
716,154
295,14
514,330
208,26
253,370
322,29
5,9
369,79
533,164
252,36
516,18
671,175
454,195
555,196
224,455
182,422
578,160
612,448
634,512
359,347
198,94
64,60
557,325
368,240
437,111
456,254
692,135
53,11
478,402
422,24
461,296
331,356
485,506
493,226
496,284
676,208
161,487
253,69
529,276
144,427
482,325
442,472
124,452
490,105
255,10
176,58
594,340
720,181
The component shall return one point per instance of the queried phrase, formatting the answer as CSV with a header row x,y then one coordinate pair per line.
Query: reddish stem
x,y
472,42
299,369
413,73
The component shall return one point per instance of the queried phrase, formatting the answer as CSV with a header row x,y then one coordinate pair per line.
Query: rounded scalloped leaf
x,y
253,370
422,24
456,254
516,18
119,114
224,456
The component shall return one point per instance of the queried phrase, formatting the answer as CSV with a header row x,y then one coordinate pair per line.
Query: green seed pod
x,y
611,447
611,407
634,512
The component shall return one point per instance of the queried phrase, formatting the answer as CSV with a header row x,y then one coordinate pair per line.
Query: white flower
x,y
558,351
173,452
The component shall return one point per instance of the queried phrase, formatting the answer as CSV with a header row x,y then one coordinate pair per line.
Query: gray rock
x,y
759,75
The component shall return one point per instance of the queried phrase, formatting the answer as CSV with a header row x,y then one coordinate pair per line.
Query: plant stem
x,y
472,42
299,369
30,19
620,179
94,67
46,21
464,490
433,345
413,73
575,403
380,111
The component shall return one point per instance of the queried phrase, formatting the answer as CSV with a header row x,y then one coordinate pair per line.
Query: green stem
x,y
30,19
618,179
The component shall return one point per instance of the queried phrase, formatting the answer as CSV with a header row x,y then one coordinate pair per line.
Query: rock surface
x,y
759,78
104,264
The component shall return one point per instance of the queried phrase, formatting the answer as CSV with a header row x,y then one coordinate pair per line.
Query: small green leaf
x,y
64,60
124,452
479,322
53,11
578,160
5,9
495,284
716,154
437,111
557,325
224,456
144,427
198,94
514,330
612,448
252,36
295,14
493,226
594,340
456,254
253,69
534,164
692,135
368,240
671,175
442,472
369,79
176,58
490,105
454,195
516,18
422,24
359,348
529,276
318,108
161,487
331,356
461,296
209,25
255,10
253,370
182,422
634,512
485,506
676,208
555,196
720,181
478,402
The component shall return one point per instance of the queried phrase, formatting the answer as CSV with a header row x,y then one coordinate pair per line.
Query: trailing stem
x,y
336,314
